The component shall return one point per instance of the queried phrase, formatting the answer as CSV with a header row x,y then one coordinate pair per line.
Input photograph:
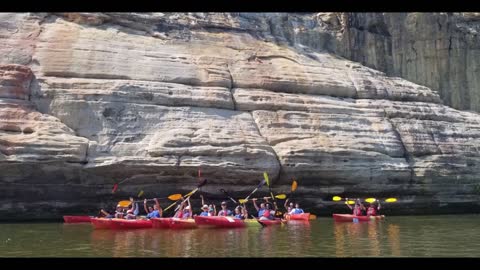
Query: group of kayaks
x,y
203,221
178,223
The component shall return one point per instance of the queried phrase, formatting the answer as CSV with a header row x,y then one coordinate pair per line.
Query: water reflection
x,y
393,233
363,239
397,236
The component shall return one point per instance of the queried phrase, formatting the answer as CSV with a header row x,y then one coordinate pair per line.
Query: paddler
x,y
155,211
357,209
373,209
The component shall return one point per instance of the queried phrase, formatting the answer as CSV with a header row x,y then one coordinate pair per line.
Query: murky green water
x,y
419,236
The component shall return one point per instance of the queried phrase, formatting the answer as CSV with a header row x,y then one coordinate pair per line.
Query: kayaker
x,y
260,209
185,210
274,212
225,211
205,212
211,211
105,214
357,209
133,211
239,213
120,212
373,209
268,213
155,211
289,207
297,210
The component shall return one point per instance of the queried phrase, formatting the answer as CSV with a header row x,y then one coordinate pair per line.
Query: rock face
x,y
87,100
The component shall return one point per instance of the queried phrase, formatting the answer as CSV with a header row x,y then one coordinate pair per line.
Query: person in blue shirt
x,y
240,213
297,210
225,211
155,212
260,209
205,212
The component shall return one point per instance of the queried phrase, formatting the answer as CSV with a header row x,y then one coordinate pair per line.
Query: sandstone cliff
x,y
90,99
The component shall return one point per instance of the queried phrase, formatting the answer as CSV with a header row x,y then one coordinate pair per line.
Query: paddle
x,y
389,200
261,223
173,197
277,212
338,198
279,196
202,183
294,187
228,196
259,186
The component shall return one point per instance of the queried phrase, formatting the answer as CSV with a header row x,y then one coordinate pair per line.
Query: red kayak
x,y
179,223
101,223
161,223
77,219
118,223
352,218
304,217
219,222
269,222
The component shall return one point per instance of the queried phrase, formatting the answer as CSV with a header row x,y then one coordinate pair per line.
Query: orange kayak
x,y
77,219
304,216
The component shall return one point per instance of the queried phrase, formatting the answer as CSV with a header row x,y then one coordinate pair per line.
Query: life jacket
x,y
357,211
223,213
372,211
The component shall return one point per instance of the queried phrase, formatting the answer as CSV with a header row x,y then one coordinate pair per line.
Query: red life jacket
x,y
357,211
266,213
372,211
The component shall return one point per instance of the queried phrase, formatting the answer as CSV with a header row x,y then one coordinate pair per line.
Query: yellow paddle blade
x,y
281,196
124,203
351,202
140,193
265,175
175,197
242,201
312,217
391,200
294,185
370,200
337,198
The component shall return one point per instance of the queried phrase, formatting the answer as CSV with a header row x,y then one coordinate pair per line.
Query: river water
x,y
418,236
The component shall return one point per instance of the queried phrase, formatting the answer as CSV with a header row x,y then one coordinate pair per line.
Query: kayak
x,y
118,224
251,222
178,223
173,223
77,219
219,222
352,218
161,223
269,222
304,216
101,223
